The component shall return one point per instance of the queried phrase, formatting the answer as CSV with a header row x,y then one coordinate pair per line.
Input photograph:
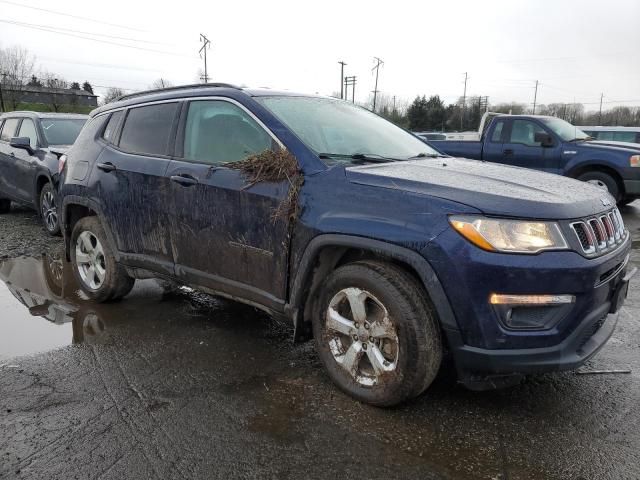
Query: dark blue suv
x,y
394,256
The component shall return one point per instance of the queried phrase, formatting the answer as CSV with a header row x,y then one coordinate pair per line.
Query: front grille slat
x,y
601,234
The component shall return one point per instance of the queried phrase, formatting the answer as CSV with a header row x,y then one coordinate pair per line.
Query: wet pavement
x,y
170,383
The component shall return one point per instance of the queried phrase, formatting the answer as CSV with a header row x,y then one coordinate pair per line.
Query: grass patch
x,y
275,166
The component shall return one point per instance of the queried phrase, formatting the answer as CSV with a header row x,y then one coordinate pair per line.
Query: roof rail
x,y
180,87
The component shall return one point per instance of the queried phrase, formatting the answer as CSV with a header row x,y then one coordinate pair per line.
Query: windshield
x,y
334,127
62,131
564,130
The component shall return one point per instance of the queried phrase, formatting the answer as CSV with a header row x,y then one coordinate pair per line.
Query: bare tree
x,y
55,84
16,68
160,83
112,95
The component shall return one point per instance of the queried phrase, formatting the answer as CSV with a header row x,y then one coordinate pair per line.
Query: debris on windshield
x,y
274,166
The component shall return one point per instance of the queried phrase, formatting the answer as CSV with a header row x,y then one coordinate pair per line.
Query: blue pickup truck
x,y
553,145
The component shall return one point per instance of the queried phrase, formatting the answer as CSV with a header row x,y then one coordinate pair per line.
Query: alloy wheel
x,y
49,211
361,336
90,260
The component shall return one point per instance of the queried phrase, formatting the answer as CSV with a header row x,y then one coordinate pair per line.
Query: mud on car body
x,y
30,145
398,253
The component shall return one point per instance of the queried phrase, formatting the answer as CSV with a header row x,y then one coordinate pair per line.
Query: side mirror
x,y
23,143
544,139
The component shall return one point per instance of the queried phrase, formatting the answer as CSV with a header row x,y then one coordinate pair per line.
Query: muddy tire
x,y
48,209
604,181
94,264
5,205
376,333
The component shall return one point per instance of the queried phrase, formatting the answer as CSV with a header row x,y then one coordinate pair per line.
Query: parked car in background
x,y
555,146
389,254
613,134
431,135
30,146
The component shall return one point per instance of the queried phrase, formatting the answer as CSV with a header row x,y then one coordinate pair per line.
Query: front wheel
x,y
94,265
603,181
376,333
49,210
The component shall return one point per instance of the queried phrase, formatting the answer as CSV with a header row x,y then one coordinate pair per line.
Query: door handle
x,y
106,167
185,180
508,151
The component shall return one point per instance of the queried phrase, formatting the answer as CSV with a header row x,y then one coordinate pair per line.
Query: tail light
x,y
61,163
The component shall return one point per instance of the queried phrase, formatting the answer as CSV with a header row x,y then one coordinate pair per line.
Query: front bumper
x,y
480,342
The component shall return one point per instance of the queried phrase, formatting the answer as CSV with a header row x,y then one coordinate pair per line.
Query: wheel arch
x,y
595,166
41,179
326,252
73,209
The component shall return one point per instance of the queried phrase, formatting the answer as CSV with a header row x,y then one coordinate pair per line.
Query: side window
x,y
112,125
497,132
217,132
147,129
524,131
28,129
9,129
624,136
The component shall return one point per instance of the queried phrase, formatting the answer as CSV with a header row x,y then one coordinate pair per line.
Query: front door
x,y
520,148
26,163
130,177
8,159
223,233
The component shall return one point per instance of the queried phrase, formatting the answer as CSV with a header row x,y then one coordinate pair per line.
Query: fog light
x,y
531,312
498,299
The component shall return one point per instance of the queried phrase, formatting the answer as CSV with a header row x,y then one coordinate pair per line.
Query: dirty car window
x,y
219,132
335,126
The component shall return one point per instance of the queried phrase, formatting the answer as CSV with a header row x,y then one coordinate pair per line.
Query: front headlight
x,y
505,235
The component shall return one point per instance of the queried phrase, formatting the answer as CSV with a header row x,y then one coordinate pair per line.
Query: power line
x,y
99,65
70,15
49,30
53,27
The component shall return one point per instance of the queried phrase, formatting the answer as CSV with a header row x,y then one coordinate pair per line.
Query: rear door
x,y
223,234
521,150
8,159
493,142
129,179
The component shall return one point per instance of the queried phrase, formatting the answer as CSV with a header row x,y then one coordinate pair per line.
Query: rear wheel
x,y
49,210
5,205
602,180
94,264
376,333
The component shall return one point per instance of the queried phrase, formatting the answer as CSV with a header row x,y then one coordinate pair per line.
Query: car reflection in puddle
x,y
37,288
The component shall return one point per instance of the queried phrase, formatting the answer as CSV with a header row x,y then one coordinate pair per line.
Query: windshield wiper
x,y
428,155
362,157
581,139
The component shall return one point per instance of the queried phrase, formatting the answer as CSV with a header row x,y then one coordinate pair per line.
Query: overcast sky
x,y
576,49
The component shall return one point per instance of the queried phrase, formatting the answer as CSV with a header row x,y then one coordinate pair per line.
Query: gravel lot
x,y
183,385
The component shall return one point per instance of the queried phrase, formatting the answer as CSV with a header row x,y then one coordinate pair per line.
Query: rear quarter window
x,y
147,129
110,130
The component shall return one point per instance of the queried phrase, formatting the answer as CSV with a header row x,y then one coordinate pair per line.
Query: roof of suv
x,y
202,89
29,114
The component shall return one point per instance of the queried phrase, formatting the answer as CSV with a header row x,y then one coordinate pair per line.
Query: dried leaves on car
x,y
274,166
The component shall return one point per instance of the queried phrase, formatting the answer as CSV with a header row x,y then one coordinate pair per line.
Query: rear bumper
x,y
583,343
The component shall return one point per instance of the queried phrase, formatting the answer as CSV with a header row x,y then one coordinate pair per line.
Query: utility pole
x,y
4,75
342,65
205,46
379,62
535,98
600,112
350,81
464,101
394,103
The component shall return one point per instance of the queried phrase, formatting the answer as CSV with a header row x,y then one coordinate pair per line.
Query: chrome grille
x,y
600,234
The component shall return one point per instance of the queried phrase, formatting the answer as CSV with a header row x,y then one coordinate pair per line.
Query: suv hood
x,y
492,188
